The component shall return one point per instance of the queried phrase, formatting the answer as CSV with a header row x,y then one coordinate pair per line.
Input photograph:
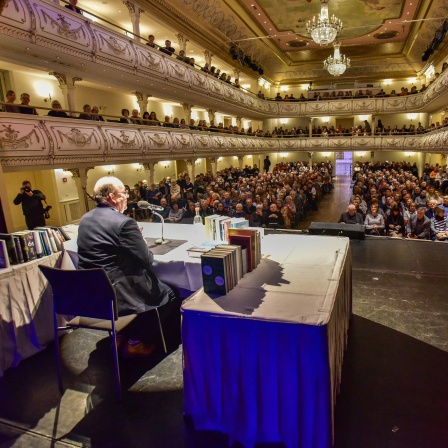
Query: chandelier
x,y
325,29
337,64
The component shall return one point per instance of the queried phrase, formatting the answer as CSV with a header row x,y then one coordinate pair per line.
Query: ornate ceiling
x,y
383,38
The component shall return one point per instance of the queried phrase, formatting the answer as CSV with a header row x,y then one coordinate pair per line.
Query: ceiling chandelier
x,y
337,64
325,29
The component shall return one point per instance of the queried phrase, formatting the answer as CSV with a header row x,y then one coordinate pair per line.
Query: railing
x,y
50,28
48,142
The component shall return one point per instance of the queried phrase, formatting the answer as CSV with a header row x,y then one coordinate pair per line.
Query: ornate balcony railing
x,y
68,42
28,141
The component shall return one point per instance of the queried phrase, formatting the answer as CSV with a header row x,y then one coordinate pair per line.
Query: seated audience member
x,y
121,251
150,42
96,114
219,209
72,6
420,201
164,213
204,209
439,225
183,124
248,206
125,118
153,119
176,122
374,221
181,57
351,216
273,218
237,83
153,195
190,211
135,117
205,69
191,61
145,118
167,123
167,49
257,218
238,212
431,209
25,98
278,97
175,188
175,214
87,113
395,223
419,226
56,110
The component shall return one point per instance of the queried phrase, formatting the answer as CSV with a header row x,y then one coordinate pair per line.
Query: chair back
x,y
85,292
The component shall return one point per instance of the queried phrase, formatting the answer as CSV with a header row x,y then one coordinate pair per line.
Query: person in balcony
x,y
278,97
10,100
205,68
150,42
223,77
72,6
154,121
125,118
87,113
56,110
96,114
135,117
167,123
25,98
167,49
181,57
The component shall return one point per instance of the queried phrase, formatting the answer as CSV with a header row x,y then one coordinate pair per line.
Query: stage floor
x,y
394,391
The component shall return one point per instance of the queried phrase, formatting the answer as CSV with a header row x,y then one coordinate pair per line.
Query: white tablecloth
x,y
263,363
25,311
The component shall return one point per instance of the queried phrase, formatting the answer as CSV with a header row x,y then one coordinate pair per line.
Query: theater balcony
x,y
43,35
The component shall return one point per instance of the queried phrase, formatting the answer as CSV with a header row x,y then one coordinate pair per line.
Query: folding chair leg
x,y
116,366
161,331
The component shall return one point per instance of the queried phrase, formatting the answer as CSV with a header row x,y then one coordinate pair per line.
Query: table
x,y
263,363
26,311
176,267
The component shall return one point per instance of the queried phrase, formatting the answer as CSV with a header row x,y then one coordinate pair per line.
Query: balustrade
x,y
34,27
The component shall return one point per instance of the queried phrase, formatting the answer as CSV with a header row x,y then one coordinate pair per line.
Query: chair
x,y
88,295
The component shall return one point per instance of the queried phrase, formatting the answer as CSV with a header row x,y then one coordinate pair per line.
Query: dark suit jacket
x,y
356,219
112,241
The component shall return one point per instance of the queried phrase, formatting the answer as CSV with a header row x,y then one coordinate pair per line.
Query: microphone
x,y
147,205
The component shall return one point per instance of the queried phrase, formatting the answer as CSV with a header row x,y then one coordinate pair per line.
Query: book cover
x,y
37,243
11,247
4,257
45,242
64,234
230,261
29,241
49,239
214,273
245,241
18,249
255,241
23,246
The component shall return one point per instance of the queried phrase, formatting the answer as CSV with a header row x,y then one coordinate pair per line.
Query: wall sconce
x,y
408,154
249,156
197,162
283,120
102,107
326,154
138,167
326,119
48,99
361,154
283,155
165,164
110,169
412,116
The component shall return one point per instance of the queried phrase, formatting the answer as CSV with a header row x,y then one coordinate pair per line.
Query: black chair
x,y
88,295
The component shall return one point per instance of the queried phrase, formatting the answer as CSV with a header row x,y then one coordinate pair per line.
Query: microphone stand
x,y
161,240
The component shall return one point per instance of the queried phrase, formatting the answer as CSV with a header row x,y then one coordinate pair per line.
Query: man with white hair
x,y
110,240
351,216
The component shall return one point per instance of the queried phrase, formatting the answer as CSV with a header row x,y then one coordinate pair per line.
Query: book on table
x,y
4,256
215,276
11,247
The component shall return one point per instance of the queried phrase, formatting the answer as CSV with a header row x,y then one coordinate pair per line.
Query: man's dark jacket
x,y
110,240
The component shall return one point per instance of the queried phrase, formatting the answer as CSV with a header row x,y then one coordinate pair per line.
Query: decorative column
x,y
67,86
310,127
239,121
208,57
182,41
236,73
79,175
310,159
213,163
372,156
372,125
142,100
187,111
211,114
240,161
134,12
190,169
150,166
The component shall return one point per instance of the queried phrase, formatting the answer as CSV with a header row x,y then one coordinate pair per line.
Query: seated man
x,y
419,226
239,212
273,218
257,218
351,216
110,240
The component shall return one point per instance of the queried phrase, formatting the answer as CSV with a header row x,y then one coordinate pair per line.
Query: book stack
x,y
250,241
222,268
20,247
217,227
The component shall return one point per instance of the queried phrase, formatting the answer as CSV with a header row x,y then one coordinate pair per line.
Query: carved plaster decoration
x,y
63,28
341,106
394,103
317,107
219,141
363,105
202,140
289,108
393,142
340,143
113,45
233,141
363,142
77,138
148,166
212,160
150,60
289,144
182,140
11,140
200,78
190,162
125,142
157,139
179,70
138,95
133,8
62,79
314,142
